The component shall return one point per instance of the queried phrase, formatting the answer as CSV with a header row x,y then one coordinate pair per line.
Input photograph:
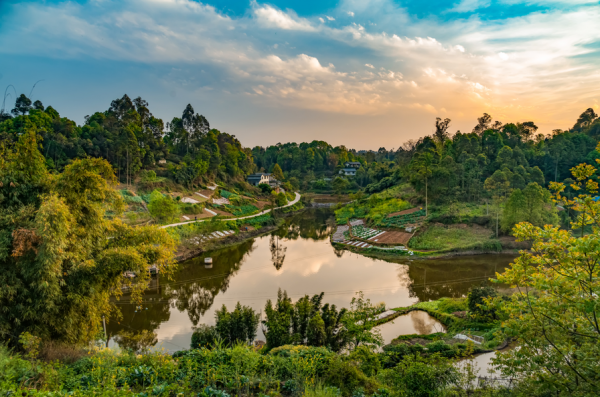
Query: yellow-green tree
x,y
63,248
555,313
277,172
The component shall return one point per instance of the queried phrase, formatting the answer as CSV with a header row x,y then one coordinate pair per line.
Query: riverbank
x,y
187,251
462,336
390,253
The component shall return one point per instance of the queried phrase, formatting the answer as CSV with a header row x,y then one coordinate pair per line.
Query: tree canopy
x,y
63,250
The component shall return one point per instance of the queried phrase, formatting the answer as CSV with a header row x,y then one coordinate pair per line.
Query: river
x,y
297,258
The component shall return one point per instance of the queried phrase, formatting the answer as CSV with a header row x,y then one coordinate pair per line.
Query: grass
x,y
461,212
442,238
243,210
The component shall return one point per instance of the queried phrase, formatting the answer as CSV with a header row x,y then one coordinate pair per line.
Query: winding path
x,y
294,201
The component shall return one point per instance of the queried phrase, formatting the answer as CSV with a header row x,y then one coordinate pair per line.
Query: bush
x,y
281,199
265,188
238,326
347,377
191,209
204,336
164,209
477,305
451,305
420,377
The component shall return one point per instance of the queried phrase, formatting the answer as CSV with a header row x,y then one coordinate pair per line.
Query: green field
x,y
442,238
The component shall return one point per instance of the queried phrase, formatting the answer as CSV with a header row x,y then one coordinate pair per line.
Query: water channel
x,y
297,258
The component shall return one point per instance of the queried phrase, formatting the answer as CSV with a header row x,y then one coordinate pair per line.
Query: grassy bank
x,y
442,238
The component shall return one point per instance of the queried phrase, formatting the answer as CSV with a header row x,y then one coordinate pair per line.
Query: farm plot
x,y
364,233
401,221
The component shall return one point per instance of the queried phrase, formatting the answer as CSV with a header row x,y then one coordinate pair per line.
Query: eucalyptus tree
x,y
422,165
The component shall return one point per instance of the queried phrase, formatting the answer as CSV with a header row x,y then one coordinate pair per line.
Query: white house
x,y
260,177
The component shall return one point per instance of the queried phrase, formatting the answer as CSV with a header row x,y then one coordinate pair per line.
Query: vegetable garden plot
x,y
401,221
364,232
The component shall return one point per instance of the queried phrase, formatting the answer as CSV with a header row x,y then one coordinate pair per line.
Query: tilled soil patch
x,y
392,237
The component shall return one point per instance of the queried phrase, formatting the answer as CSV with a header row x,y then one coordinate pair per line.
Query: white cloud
x,y
271,17
330,18
514,66
322,20
350,13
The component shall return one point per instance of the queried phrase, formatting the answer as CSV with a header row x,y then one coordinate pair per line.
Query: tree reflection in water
x,y
277,251
194,288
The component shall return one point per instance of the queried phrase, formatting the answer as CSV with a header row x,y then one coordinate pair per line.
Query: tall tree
x,y
441,134
277,173
62,257
423,165
22,105
499,186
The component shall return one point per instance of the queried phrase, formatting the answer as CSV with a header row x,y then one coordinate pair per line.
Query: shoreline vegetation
x,y
224,367
187,251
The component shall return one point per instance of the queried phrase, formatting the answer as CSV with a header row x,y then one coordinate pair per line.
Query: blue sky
x,y
364,73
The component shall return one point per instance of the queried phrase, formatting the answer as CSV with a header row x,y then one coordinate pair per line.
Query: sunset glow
x,y
362,73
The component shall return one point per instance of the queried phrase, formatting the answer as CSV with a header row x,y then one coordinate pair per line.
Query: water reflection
x,y
298,258
431,279
416,322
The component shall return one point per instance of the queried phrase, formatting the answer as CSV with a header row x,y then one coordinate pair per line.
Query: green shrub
x,y
191,209
265,188
203,336
420,377
164,209
451,305
347,377
476,302
281,199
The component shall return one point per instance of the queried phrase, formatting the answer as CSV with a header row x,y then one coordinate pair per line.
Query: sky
x,y
365,74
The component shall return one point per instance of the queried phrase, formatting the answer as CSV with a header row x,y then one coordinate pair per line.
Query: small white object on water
x,y
208,263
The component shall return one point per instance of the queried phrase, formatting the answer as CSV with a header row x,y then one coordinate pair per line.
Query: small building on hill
x,y
350,168
352,164
261,177
348,171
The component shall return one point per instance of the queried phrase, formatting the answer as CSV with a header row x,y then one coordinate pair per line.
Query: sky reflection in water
x,y
297,258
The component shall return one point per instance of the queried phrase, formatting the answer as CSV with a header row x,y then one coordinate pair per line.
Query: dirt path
x,y
235,219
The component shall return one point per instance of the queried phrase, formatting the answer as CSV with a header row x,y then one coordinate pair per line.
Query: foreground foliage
x,y
239,370
555,313
61,255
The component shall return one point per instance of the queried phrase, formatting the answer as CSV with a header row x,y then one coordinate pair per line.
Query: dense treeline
x,y
449,168
310,162
457,167
454,167
132,139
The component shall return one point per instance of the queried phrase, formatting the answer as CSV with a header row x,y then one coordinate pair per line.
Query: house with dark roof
x,y
350,168
259,178
352,164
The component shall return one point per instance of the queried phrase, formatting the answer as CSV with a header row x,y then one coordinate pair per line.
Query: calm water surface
x,y
297,258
